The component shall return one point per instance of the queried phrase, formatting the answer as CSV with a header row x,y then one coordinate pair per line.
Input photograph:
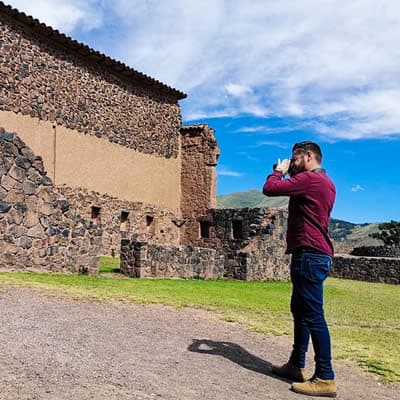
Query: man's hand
x,y
282,166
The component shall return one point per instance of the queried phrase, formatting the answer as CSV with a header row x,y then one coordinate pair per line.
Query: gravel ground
x,y
57,348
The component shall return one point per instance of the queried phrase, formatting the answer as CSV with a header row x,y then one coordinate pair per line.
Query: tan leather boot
x,y
316,387
290,372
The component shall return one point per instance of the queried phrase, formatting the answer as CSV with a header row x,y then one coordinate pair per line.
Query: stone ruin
x,y
99,156
39,231
99,164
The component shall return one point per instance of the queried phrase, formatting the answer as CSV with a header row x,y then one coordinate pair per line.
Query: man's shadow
x,y
235,353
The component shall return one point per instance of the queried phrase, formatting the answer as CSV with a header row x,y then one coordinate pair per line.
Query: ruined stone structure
x,y
38,229
111,138
370,269
246,244
369,263
377,251
108,160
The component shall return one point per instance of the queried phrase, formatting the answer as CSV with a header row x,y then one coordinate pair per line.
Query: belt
x,y
306,249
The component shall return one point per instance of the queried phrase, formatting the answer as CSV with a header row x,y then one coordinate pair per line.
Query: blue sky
x,y
266,74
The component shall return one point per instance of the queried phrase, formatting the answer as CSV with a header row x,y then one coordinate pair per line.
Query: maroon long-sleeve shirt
x,y
312,195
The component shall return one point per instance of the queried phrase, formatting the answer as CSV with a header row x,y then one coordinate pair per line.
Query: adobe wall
x,y
49,81
78,160
144,222
93,127
200,154
370,269
38,230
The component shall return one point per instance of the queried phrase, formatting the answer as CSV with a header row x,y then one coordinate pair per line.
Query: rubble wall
x,y
39,230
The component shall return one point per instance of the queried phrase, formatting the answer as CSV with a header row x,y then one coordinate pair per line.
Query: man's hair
x,y
309,146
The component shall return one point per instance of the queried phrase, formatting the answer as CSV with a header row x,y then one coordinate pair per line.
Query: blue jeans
x,y
308,271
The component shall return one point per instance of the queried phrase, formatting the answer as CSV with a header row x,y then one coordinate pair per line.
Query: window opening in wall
x,y
124,221
205,229
96,214
237,229
150,224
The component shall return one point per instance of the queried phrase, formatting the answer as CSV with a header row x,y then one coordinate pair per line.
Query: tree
x,y
389,233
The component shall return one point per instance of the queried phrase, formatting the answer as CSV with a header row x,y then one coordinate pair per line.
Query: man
x,y
312,195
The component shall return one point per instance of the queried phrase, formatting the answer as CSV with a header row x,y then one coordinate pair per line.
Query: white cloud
x,y
357,188
237,90
64,15
223,171
336,66
299,59
271,143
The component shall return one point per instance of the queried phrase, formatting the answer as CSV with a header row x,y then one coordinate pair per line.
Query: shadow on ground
x,y
234,353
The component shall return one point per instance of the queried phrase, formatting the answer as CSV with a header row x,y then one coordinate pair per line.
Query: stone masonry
x,y
123,219
141,260
245,244
49,76
370,269
377,251
38,230
253,241
200,154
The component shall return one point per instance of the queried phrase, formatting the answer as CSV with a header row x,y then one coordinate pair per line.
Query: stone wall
x,y
253,240
200,154
377,251
38,230
123,219
371,269
51,81
144,260
245,244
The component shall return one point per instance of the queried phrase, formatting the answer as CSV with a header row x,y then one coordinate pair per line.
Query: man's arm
x,y
276,186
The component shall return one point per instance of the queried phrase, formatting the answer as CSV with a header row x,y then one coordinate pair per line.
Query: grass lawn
x,y
364,318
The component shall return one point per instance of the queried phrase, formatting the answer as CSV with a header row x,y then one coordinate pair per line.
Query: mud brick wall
x,y
370,269
141,260
377,251
253,240
38,230
200,154
48,80
123,219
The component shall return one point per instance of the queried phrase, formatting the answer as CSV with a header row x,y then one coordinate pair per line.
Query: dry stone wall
x,y
370,269
39,230
123,219
377,251
245,244
143,260
46,80
253,239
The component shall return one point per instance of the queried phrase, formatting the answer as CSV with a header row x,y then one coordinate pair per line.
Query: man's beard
x,y
294,170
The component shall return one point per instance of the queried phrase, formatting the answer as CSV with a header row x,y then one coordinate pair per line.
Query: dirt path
x,y
54,348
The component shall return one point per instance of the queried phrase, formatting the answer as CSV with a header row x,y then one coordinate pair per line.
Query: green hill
x,y
251,199
341,231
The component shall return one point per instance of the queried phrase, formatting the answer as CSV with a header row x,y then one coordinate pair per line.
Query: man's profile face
x,y
298,163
